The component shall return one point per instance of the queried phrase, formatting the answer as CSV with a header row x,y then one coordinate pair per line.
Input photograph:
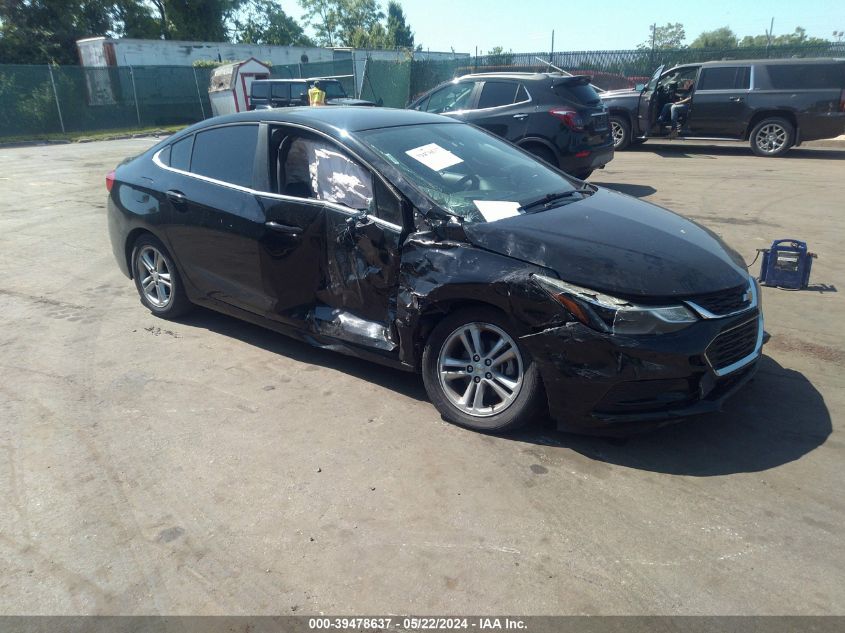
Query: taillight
x,y
109,180
571,118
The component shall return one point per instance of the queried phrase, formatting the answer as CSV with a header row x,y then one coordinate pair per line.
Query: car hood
x,y
349,101
612,94
618,244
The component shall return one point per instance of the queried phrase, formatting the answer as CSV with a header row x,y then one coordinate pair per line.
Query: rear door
x,y
280,94
215,219
503,107
720,102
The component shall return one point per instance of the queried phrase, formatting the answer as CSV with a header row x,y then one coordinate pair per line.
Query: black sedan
x,y
426,244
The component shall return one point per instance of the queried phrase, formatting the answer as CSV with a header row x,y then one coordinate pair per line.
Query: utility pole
x,y
653,41
552,53
769,35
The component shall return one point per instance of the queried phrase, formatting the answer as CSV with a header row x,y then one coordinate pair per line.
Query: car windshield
x,y
466,171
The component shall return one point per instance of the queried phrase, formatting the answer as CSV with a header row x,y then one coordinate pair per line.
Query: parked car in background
x,y
557,118
430,245
774,104
285,93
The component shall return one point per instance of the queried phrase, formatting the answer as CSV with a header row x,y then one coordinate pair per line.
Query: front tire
x,y
477,374
156,279
620,128
772,137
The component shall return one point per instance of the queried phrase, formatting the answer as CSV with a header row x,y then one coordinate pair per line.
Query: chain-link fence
x,y
39,100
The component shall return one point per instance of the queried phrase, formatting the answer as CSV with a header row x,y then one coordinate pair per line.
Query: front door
x,y
646,105
332,258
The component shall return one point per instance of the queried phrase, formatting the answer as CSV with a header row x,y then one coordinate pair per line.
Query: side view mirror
x,y
639,87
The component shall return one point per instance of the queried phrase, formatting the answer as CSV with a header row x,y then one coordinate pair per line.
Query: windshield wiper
x,y
551,197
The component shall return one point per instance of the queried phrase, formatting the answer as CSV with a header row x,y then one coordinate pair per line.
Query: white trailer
x,y
230,83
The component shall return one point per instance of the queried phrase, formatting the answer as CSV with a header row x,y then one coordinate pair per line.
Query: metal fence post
x,y
56,95
199,96
355,77
135,95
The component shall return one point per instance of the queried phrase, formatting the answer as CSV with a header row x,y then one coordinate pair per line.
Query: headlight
x,y
612,314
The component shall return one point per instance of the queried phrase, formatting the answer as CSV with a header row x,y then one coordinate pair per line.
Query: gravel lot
x,y
212,467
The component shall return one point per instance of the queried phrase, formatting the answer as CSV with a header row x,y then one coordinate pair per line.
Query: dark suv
x,y
772,103
558,119
284,93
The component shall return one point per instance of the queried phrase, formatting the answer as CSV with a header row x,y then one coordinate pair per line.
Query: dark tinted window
x,y
226,153
259,90
164,155
299,91
334,89
577,93
806,76
724,78
280,91
521,94
180,153
497,93
450,98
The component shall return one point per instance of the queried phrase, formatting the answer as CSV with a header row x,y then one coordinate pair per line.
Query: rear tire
x,y
156,279
621,131
772,137
478,375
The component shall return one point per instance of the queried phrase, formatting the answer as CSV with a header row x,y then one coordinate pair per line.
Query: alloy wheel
x,y
155,277
617,132
771,138
481,369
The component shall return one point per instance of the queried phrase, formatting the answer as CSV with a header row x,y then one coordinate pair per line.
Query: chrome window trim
x,y
704,313
277,196
742,362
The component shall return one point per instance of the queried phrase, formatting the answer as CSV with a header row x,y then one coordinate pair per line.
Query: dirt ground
x,y
211,467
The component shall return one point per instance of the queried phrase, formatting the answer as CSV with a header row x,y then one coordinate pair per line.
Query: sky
x,y
526,25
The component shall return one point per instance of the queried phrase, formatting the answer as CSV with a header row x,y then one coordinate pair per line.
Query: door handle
x,y
293,231
178,199
520,116
737,99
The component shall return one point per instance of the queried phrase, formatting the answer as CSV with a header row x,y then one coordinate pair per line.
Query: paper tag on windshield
x,y
434,157
493,210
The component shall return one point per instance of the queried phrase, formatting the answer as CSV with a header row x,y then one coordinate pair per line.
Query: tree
x,y
359,24
672,35
399,34
199,20
45,31
264,22
719,38
796,38
497,56
323,16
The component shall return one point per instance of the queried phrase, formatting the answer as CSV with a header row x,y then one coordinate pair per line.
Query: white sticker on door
x,y
493,210
434,157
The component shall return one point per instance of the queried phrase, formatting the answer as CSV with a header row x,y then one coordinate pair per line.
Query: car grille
x,y
733,345
724,302
599,122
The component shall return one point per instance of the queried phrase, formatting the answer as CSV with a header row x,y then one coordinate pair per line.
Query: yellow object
x,y
316,96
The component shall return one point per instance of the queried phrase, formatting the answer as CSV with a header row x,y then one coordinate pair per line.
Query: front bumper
x,y
603,383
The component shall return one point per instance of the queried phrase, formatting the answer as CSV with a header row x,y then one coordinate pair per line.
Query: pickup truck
x,y
774,104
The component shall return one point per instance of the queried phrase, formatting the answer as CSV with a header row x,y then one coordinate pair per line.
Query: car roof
x,y
791,60
295,81
513,75
332,119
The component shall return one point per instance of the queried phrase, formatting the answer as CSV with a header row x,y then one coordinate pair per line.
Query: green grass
x,y
93,135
